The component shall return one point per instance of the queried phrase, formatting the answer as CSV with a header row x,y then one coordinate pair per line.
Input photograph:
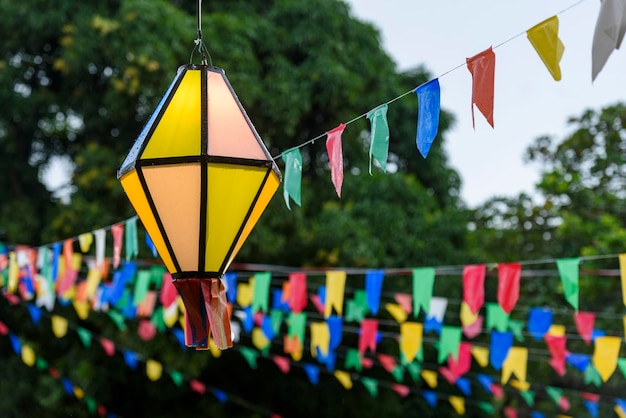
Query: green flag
x,y
371,385
379,142
292,181
568,270
261,295
423,282
449,343
496,317
177,377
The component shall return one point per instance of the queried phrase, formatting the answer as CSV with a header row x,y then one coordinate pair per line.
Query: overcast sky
x,y
528,102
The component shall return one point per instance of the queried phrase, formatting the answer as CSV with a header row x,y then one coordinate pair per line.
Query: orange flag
x,y
483,69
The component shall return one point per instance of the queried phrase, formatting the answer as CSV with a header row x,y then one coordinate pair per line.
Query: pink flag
x,y
483,69
369,335
335,156
401,390
387,362
474,286
584,324
118,233
282,363
197,386
508,285
108,346
297,292
510,412
556,345
474,330
168,291
405,301
462,365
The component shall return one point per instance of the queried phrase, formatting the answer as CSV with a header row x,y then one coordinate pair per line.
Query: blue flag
x,y
429,105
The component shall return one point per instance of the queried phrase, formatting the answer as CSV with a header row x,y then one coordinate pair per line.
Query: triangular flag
x,y
501,342
371,385
556,346
379,141
579,361
405,301
335,156
117,231
481,355
544,37
154,370
261,292
423,283
313,373
466,315
584,324
449,343
292,181
428,109
515,362
430,377
297,292
344,378
605,355
482,66
59,326
475,329
458,403
539,322
568,270
592,376
368,335
474,286
608,34
510,412
283,363
508,285
398,313
430,397
496,317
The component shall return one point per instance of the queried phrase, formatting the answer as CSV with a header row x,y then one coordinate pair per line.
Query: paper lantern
x,y
199,177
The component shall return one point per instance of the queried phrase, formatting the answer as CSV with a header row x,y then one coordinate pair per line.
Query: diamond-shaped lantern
x,y
199,178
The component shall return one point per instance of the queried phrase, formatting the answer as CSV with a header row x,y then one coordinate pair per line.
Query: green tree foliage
x,y
78,81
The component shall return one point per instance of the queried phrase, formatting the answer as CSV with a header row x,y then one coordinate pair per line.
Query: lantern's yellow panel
x,y
177,133
230,135
175,191
232,189
136,195
269,188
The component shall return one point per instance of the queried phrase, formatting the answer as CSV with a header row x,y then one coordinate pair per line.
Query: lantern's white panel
x,y
175,191
230,135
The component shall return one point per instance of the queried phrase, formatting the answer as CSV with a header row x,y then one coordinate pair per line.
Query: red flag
x,y
168,291
335,156
508,285
483,69
282,363
584,324
197,386
297,292
510,412
474,286
401,390
387,362
369,335
464,361
108,346
556,345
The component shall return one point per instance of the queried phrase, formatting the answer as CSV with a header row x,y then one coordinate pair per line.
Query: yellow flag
x,y
78,392
398,313
544,37
320,338
259,340
93,281
622,269
519,385
245,293
215,352
619,411
335,285
59,326
410,339
170,315
85,240
481,355
430,377
154,369
515,362
624,321
458,403
28,355
344,378
557,330
81,308
467,316
77,261
14,271
605,355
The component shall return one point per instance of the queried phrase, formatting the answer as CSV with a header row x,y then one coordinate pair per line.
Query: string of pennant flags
x,y
608,35
315,308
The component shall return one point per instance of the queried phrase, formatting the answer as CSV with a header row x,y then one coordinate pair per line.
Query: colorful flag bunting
x,y
379,141
482,66
428,109
335,156
544,37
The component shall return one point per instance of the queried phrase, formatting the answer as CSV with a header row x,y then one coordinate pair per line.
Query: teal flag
x,y
131,243
423,282
379,141
261,295
568,270
293,176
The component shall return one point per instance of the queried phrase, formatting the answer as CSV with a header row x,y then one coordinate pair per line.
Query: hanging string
x,y
311,141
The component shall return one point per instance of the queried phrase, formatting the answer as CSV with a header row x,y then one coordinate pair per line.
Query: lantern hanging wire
x,y
200,46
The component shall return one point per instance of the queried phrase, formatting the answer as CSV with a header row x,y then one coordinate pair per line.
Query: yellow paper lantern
x,y
199,178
